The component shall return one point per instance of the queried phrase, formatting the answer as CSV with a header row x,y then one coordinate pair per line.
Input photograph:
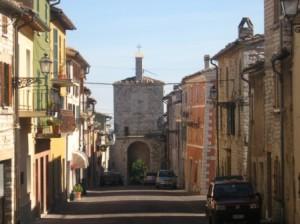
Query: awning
x,y
79,160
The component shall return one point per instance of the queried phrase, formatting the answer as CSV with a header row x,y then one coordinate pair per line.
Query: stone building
x,y
233,99
296,116
198,121
273,154
137,108
174,134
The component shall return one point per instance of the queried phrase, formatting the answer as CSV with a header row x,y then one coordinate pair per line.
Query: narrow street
x,y
132,205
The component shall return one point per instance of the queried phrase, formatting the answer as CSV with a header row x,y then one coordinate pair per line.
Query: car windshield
x,y
166,173
233,190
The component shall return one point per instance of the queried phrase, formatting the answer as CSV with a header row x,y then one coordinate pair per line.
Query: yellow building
x,y
63,116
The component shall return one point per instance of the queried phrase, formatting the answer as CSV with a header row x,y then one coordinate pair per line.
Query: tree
x,y
137,172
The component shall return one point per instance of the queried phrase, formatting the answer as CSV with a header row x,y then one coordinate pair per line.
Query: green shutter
x,y
55,53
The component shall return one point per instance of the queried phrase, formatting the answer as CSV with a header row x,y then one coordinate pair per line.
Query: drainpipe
x,y
217,115
242,75
280,57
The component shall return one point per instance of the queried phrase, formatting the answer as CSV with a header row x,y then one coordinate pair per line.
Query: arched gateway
x,y
138,151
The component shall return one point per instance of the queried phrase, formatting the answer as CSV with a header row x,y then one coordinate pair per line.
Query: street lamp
x,y
290,7
45,64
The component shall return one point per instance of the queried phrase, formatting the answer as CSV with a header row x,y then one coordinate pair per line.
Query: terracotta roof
x,y
13,9
201,72
75,54
58,14
250,40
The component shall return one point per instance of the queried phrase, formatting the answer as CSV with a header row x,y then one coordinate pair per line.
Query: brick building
x,y
198,118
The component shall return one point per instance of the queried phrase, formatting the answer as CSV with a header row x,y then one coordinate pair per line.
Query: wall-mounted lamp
x,y
22,82
290,7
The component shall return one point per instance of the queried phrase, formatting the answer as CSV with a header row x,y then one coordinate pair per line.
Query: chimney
x,y
206,61
245,28
139,65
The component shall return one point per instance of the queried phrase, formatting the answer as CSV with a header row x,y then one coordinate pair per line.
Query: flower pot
x,y
77,195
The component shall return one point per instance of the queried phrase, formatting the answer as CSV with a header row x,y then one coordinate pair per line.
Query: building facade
x,y
198,117
137,108
174,134
7,145
233,99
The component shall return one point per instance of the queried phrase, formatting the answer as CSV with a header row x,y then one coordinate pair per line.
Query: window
x,y
227,82
55,53
28,64
38,7
299,185
277,182
4,25
28,174
46,19
126,131
5,84
231,119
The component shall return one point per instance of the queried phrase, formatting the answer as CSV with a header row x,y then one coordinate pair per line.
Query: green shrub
x,y
78,188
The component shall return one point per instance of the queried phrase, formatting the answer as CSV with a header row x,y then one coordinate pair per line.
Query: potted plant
x,y
56,125
77,189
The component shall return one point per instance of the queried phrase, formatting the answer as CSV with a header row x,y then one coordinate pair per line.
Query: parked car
x,y
232,199
111,178
150,178
166,178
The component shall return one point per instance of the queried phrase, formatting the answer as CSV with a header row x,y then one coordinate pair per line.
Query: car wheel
x,y
256,221
215,220
209,220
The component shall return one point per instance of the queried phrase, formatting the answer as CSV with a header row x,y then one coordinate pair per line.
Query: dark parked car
x,y
166,178
231,199
150,178
111,178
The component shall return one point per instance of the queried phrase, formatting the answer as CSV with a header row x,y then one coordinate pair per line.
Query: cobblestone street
x,y
132,205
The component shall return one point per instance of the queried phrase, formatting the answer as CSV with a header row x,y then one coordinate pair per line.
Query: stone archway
x,y
138,151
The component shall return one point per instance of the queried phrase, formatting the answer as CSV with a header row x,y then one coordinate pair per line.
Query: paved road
x,y
132,206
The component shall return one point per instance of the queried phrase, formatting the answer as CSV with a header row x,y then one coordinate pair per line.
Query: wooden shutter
x,y
10,85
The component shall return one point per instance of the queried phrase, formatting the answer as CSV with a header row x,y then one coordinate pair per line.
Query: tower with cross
x,y
139,64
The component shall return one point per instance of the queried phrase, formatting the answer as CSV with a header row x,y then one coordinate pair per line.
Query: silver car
x,y
166,178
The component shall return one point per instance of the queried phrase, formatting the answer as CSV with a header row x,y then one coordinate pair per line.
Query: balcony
x,y
68,121
33,102
61,80
47,129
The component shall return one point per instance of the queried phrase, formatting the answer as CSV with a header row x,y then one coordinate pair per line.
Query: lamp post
x,y
45,65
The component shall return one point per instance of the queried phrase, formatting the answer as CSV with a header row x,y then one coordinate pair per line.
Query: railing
x,y
46,128
33,99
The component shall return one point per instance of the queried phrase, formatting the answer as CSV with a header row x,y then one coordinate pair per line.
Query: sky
x,y
174,35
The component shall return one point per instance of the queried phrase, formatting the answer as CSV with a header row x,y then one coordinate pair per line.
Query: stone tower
x,y
137,107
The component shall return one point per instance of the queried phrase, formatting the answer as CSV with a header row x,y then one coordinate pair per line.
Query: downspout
x,y
242,75
217,115
280,57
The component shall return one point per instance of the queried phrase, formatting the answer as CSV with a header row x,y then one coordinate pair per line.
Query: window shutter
x,y
1,81
10,85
